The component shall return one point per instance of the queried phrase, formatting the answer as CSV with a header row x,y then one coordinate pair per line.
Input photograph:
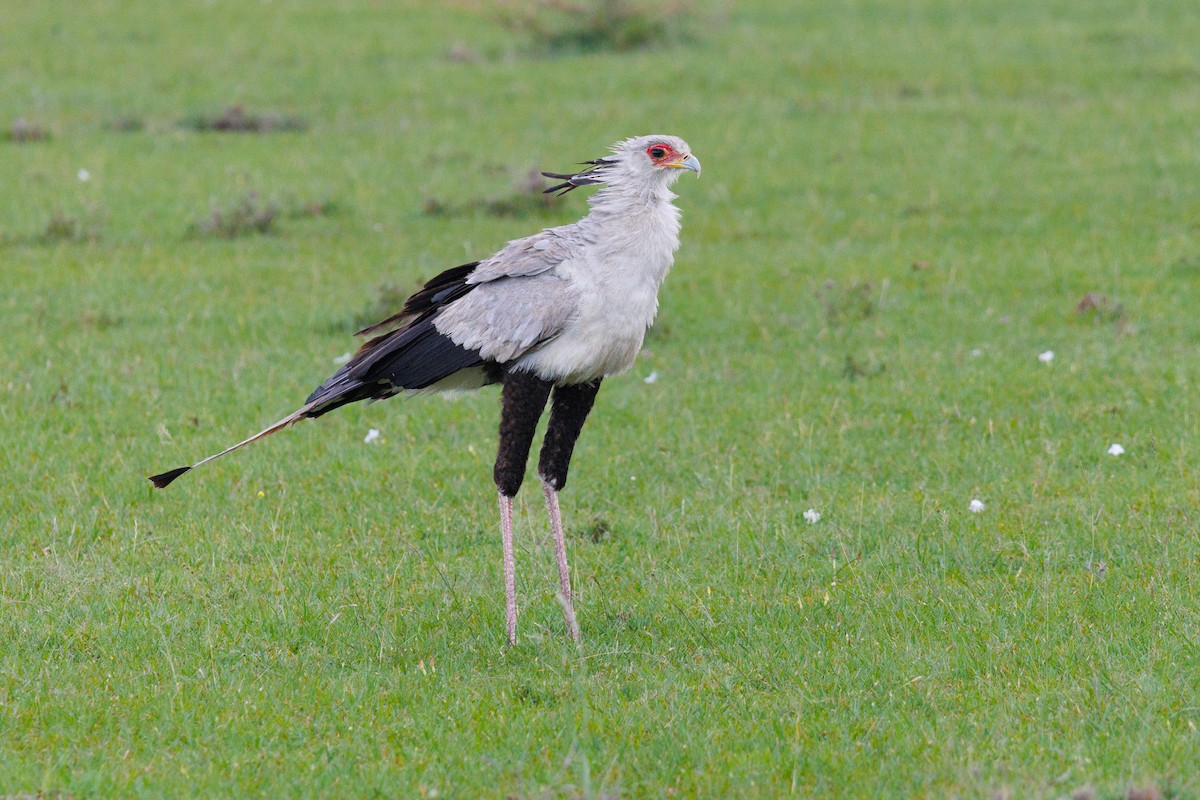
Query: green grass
x,y
320,617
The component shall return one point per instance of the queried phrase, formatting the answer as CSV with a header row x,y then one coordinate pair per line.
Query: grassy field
x,y
903,205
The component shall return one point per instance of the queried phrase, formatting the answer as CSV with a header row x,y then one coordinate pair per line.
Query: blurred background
x,y
941,252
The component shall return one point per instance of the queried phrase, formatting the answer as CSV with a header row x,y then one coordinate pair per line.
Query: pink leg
x,y
510,580
560,550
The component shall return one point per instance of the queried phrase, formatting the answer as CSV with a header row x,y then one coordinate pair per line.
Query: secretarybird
x,y
548,317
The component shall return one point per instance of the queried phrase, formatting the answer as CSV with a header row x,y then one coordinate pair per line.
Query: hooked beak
x,y
687,162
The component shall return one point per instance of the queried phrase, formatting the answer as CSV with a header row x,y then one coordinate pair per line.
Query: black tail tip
x,y
164,480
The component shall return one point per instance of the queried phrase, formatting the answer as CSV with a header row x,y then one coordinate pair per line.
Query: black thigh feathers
x,y
524,400
568,411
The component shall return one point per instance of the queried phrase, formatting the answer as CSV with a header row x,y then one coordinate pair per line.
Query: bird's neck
x,y
638,216
621,195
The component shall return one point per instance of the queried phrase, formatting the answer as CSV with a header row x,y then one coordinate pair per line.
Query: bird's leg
x,y
524,398
510,570
568,410
560,552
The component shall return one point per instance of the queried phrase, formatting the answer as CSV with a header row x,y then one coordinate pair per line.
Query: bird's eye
x,y
657,152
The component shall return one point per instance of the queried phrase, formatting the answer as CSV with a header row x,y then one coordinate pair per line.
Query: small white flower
x,y
83,175
342,359
372,436
1046,357
812,515
651,378
976,353
1116,450
976,506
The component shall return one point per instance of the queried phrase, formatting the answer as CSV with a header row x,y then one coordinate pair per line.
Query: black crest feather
x,y
587,177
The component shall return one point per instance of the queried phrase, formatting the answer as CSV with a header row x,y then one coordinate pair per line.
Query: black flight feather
x,y
412,358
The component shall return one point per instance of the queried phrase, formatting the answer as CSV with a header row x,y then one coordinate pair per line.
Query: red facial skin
x,y
667,153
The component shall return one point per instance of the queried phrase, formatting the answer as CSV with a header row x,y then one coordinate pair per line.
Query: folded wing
x,y
461,329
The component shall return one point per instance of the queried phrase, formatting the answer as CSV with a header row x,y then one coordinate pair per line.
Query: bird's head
x,y
649,161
